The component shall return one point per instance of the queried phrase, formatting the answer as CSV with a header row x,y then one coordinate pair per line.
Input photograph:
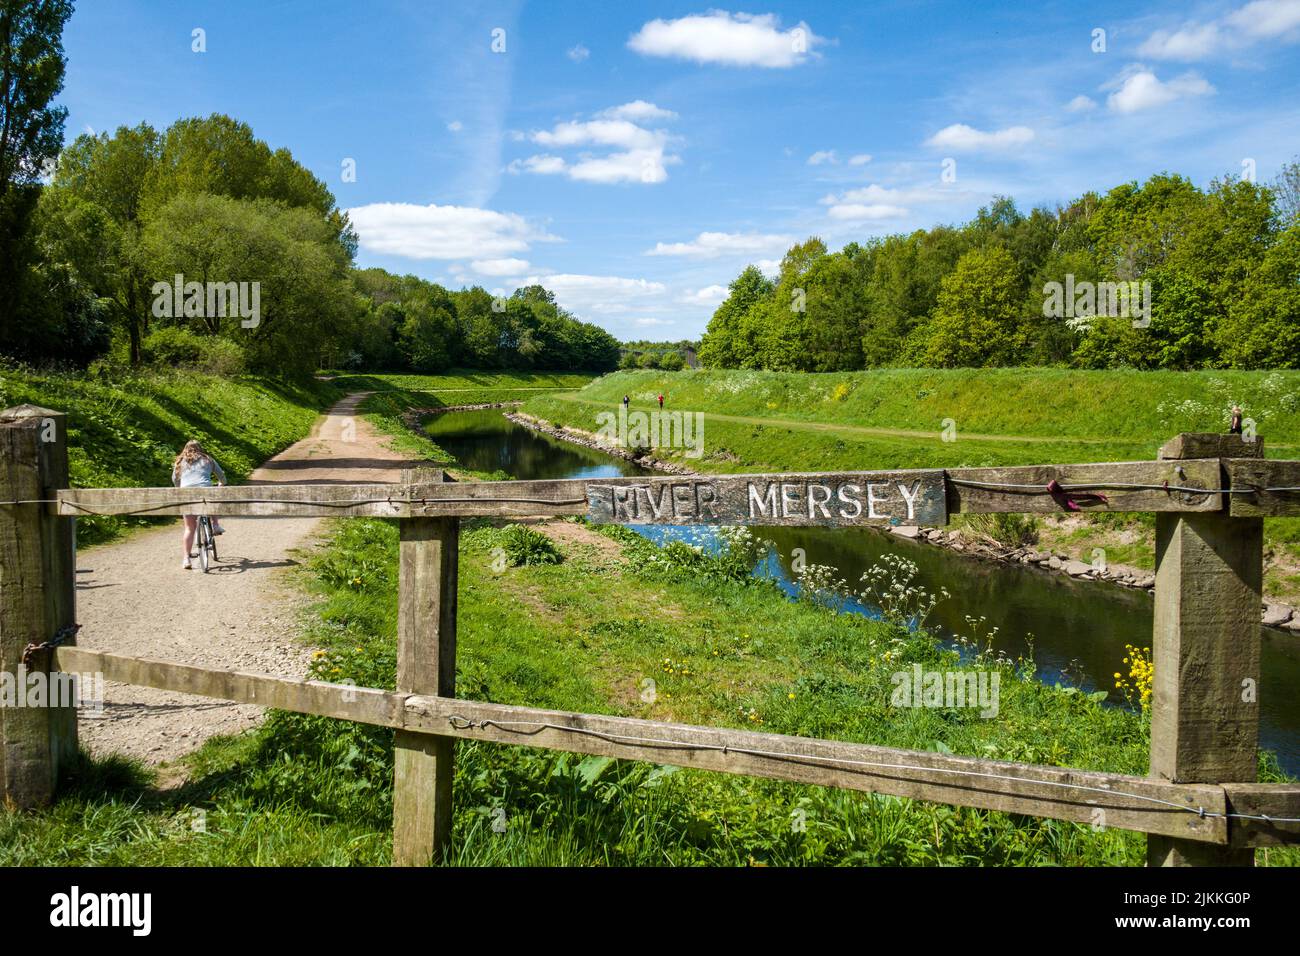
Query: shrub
x,y
179,347
523,545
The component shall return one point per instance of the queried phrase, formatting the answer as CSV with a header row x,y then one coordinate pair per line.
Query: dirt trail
x,y
134,598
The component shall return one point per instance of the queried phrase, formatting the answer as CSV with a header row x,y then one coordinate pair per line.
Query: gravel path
x,y
134,598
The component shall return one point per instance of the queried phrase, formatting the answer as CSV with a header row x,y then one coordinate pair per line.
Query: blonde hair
x,y
192,451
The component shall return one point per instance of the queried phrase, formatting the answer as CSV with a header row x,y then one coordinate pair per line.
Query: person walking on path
x,y
661,399
1235,427
625,401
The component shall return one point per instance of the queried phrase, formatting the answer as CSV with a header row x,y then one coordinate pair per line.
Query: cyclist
x,y
195,468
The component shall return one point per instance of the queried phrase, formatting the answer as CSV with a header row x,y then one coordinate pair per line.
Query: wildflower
x,y
790,696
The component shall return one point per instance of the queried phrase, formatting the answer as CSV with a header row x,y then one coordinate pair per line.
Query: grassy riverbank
x,y
931,418
589,633
125,429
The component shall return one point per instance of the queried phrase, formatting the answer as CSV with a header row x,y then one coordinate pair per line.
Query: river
x,y
1074,630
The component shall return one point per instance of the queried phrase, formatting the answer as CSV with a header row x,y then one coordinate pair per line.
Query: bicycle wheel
x,y
205,535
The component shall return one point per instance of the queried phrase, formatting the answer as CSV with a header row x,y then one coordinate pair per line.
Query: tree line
x,y
1219,268
122,243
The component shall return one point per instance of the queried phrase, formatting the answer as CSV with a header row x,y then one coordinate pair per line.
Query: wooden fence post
x,y
37,600
426,664
1205,647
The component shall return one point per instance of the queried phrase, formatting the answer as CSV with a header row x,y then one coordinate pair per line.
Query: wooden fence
x,y
1199,805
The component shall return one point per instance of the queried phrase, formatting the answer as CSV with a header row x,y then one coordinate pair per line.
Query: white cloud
x,y
600,295
500,267
1252,23
455,126
710,245
709,295
638,111
1081,104
641,154
860,159
1140,89
875,202
959,136
544,164
823,156
865,211
649,321
768,266
1265,19
729,39
577,53
1192,42
442,232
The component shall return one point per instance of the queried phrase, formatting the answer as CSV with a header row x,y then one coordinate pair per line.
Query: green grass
x,y
464,387
586,634
126,430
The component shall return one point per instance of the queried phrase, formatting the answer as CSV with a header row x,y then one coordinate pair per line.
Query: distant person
x,y
625,401
661,400
195,468
1235,427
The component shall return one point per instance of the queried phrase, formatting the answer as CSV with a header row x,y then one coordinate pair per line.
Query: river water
x,y
1074,630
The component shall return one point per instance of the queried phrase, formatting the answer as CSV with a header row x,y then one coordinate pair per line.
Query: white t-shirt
x,y
197,473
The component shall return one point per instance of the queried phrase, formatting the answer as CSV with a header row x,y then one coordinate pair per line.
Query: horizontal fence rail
x,y
1185,811
838,499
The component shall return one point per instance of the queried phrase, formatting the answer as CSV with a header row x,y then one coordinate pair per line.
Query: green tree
x,y
977,319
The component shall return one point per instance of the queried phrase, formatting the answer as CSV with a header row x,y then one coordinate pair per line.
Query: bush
x,y
525,546
179,347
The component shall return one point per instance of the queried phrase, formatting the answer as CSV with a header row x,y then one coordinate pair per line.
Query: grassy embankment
x,y
464,387
895,418
585,634
127,431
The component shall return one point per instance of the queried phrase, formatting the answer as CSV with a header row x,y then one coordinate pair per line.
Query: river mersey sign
x,y
851,498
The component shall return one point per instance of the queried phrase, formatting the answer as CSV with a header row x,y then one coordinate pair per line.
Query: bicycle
x,y
207,541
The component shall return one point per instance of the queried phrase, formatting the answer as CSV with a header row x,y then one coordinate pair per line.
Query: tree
x,y
976,321
1262,329
108,174
31,132
31,75
723,344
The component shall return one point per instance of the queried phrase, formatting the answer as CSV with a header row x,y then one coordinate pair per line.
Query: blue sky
x,y
635,156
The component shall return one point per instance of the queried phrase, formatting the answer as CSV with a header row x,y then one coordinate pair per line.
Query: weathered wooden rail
x,y
1200,803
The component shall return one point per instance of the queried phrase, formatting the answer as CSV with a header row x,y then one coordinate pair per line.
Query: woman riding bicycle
x,y
195,468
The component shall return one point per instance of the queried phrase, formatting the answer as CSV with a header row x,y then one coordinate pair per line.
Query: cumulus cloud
x,y
577,53
823,156
1081,104
1252,23
709,295
965,138
710,245
599,295
442,232
455,126
875,203
638,111
860,159
1140,89
641,154
500,267
728,39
